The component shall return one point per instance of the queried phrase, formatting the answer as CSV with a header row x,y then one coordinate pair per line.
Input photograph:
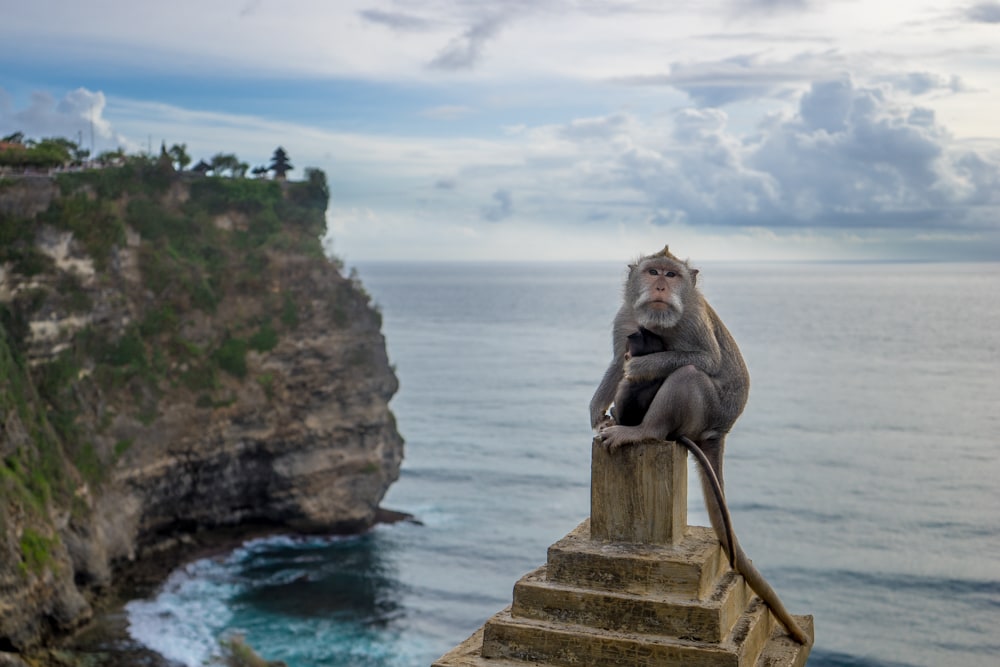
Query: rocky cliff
x,y
176,355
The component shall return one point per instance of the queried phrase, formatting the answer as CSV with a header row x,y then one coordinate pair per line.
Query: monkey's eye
x,y
653,272
671,274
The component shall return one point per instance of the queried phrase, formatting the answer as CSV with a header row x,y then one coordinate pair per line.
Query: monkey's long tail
x,y
759,584
738,558
720,496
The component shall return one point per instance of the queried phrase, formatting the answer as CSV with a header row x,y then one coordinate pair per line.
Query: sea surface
x,y
863,477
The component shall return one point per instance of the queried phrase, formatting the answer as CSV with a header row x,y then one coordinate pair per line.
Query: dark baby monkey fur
x,y
704,386
633,398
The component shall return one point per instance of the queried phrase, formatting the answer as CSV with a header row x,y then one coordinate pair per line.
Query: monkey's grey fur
x,y
704,390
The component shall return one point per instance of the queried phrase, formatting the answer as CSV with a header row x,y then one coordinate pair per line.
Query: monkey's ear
x,y
632,267
694,276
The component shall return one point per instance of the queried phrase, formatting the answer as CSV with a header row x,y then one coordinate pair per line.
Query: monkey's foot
x,y
615,436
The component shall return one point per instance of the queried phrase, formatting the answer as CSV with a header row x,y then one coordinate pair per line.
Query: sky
x,y
555,129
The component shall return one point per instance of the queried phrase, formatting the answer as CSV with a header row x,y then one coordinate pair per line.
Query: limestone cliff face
x,y
193,363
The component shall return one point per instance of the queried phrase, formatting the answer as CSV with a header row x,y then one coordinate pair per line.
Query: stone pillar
x,y
638,494
634,585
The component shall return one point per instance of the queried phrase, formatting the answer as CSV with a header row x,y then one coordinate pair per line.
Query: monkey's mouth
x,y
656,304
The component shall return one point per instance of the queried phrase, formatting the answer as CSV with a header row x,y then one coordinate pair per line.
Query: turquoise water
x,y
862,476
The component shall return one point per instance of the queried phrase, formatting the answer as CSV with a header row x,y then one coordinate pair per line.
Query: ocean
x,y
862,477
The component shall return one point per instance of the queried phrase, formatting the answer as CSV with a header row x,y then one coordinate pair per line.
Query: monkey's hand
x,y
599,419
640,369
614,437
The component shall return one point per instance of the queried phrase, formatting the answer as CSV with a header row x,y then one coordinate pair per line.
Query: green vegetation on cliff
x,y
33,472
198,240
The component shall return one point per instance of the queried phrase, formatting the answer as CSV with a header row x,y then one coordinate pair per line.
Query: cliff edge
x,y
176,355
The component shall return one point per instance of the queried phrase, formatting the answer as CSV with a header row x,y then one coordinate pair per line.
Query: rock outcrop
x,y
176,355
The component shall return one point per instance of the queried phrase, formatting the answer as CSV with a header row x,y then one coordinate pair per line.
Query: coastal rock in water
x,y
164,376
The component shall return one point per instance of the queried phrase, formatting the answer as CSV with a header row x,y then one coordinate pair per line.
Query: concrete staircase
x,y
621,589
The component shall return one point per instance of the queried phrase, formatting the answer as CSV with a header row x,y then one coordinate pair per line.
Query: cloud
x,y
397,20
984,12
466,51
501,208
849,157
595,128
771,5
752,76
250,8
921,83
741,77
826,105
855,156
78,113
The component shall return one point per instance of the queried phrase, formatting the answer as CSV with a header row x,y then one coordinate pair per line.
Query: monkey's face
x,y
659,285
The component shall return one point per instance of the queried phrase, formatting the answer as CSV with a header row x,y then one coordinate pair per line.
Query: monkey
x,y
632,400
704,388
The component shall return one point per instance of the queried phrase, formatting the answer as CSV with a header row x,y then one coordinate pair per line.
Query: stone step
x,y
783,651
562,644
691,568
709,620
470,654
780,651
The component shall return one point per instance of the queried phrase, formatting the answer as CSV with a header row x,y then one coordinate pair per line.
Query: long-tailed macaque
x,y
704,386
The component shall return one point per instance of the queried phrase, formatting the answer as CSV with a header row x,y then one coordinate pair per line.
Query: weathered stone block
x,y
528,640
638,494
689,568
660,613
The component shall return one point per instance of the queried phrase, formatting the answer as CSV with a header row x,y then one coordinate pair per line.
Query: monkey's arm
x,y
697,345
605,394
659,365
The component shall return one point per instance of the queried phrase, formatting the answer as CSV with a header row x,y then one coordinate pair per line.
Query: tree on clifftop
x,y
202,168
228,162
280,164
44,154
178,153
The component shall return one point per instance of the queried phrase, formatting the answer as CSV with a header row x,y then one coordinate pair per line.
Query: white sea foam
x,y
185,618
